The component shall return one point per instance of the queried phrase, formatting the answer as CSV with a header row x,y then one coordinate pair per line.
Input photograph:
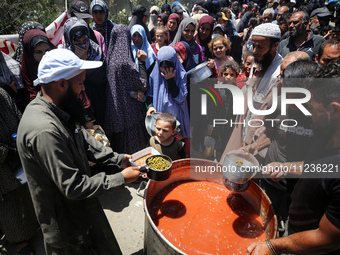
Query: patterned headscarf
x,y
28,25
145,46
75,29
183,49
121,109
105,28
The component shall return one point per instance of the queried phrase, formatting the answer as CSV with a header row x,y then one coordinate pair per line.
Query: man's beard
x,y
297,32
315,29
266,61
72,105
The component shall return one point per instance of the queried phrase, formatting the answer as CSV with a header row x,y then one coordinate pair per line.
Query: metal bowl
x,y
236,173
199,73
158,175
150,122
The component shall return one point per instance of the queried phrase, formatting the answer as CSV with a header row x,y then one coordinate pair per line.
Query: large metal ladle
x,y
239,168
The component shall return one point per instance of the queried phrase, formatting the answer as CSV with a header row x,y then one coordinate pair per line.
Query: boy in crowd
x,y
164,141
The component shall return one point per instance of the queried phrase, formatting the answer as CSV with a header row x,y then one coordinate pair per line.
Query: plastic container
x,y
142,153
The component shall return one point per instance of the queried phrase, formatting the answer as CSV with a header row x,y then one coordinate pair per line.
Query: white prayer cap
x,y
267,30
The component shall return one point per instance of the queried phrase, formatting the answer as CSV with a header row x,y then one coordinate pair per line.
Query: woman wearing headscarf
x,y
124,114
235,10
203,37
17,217
11,81
162,20
102,24
168,89
28,25
35,44
153,21
187,60
139,42
172,26
154,13
77,39
185,13
139,17
186,33
166,9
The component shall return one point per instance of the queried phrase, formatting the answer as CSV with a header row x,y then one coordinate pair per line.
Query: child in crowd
x,y
218,29
161,34
164,141
229,72
243,77
220,47
168,90
221,133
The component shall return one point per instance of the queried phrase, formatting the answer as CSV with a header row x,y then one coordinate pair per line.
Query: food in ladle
x,y
158,163
239,162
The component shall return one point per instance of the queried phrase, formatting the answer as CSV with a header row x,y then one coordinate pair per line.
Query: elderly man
x,y
328,52
314,215
319,18
268,15
300,38
264,76
54,150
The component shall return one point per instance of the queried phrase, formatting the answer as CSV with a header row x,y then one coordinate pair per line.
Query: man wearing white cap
x,y
264,76
54,150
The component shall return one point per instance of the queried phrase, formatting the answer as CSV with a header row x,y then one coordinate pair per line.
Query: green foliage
x,y
14,13
120,18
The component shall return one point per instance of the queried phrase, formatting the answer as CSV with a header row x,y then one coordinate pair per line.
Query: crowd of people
x,y
137,70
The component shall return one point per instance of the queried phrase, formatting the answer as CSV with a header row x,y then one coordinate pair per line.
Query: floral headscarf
x,y
105,28
28,25
75,29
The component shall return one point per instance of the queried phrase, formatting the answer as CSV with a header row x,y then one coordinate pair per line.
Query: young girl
x,y
229,72
220,47
243,77
186,33
161,38
221,133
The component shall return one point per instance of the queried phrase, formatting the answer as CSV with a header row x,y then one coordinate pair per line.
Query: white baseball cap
x,y
61,64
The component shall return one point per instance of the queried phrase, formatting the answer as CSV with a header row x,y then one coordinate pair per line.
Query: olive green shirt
x,y
55,156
